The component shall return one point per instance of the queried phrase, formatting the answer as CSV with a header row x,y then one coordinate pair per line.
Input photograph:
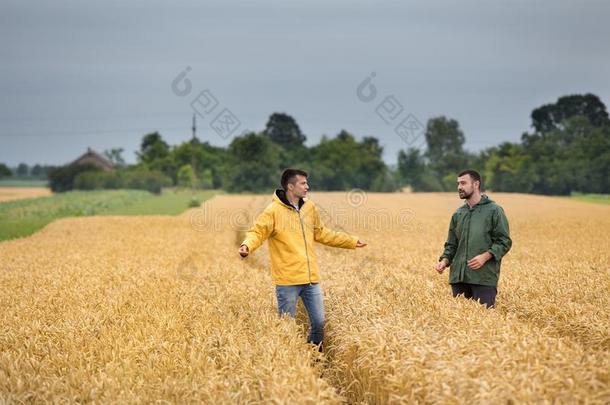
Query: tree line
x,y
567,150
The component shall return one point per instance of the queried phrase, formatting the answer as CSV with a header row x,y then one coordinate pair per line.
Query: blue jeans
x,y
311,295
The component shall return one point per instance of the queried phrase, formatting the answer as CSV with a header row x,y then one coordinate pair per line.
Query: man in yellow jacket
x,y
292,224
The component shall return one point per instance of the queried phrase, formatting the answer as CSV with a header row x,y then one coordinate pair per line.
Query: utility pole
x,y
193,160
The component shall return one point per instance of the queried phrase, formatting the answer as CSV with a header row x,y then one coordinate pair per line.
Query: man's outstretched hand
x,y
360,243
244,251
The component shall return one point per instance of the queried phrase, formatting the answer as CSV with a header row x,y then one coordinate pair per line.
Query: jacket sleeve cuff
x,y
249,244
494,254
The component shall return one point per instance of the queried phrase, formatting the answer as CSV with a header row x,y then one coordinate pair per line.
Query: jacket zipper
x,y
305,241
467,237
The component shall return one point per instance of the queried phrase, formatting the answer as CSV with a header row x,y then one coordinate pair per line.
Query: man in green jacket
x,y
478,239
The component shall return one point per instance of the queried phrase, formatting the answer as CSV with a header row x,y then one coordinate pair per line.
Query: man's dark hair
x,y
474,175
289,175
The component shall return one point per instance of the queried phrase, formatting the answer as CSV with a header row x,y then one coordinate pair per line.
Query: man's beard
x,y
464,196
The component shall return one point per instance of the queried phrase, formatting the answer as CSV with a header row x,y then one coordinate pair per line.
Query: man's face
x,y
466,186
300,187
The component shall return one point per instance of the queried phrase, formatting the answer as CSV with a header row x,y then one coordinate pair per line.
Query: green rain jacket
x,y
472,231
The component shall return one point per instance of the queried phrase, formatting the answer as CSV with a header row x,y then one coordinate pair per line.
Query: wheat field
x,y
162,309
19,193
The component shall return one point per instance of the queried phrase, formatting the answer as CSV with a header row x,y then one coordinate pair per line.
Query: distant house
x,y
94,158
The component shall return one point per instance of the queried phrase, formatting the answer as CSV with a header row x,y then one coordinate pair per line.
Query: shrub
x,y
62,178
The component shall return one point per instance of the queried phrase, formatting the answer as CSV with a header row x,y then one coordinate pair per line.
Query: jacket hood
x,y
280,197
484,200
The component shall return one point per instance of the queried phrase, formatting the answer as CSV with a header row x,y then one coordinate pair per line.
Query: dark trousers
x,y
482,293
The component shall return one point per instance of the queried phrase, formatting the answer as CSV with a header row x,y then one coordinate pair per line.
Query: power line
x,y
98,132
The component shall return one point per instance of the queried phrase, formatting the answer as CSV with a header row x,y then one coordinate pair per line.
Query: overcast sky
x,y
78,73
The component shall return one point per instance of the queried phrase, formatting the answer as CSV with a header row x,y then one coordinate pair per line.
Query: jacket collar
x,y
484,200
280,197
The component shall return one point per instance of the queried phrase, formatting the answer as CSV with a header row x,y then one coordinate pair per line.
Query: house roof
x,y
94,158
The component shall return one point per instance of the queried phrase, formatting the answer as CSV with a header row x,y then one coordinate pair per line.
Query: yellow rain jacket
x,y
291,235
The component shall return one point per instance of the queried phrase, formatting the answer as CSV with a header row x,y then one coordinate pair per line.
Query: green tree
x,y
36,171
343,163
445,151
152,148
551,116
41,171
411,168
508,168
23,170
62,178
386,182
591,155
154,155
283,129
185,176
166,166
206,179
253,165
140,178
115,155
207,157
330,169
571,157
5,171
